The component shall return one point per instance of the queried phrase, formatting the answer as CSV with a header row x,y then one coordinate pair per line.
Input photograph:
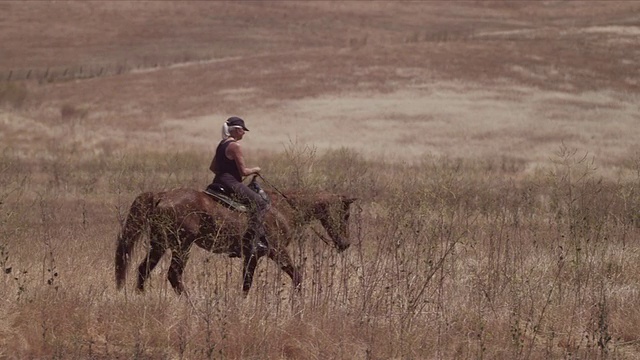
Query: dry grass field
x,y
493,148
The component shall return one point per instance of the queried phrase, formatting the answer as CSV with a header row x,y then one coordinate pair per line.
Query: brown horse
x,y
178,218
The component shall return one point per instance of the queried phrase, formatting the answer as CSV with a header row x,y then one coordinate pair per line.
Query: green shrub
x,y
12,94
68,111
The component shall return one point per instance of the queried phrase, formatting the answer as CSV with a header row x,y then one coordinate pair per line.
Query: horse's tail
x,y
134,226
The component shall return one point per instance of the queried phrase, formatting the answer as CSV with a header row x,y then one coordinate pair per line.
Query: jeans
x,y
257,205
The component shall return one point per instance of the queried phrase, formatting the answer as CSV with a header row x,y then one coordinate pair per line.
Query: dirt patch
x,y
614,29
443,119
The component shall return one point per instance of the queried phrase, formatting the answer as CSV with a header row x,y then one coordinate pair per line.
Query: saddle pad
x,y
226,201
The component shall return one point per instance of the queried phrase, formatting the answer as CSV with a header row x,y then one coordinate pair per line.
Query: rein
x,y
294,207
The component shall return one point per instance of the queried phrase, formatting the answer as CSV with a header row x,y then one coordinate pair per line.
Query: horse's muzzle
x,y
342,246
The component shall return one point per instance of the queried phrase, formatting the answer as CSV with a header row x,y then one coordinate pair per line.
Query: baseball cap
x,y
236,121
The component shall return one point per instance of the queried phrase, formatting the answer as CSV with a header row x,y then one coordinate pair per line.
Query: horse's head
x,y
333,213
332,210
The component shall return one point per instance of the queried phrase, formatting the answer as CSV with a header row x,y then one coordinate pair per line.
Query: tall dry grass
x,y
449,259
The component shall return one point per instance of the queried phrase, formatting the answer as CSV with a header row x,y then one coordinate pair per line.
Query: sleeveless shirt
x,y
224,164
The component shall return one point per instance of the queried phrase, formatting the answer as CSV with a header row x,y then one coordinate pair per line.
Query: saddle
x,y
223,196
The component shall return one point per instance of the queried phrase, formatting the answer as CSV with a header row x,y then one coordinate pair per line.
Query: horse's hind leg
x,y
178,262
153,257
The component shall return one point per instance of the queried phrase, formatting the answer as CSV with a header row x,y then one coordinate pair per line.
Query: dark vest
x,y
224,164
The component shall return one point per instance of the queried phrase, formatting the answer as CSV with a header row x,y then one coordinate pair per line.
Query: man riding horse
x,y
178,218
229,167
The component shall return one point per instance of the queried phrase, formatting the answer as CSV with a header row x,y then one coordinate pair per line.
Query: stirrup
x,y
256,248
260,247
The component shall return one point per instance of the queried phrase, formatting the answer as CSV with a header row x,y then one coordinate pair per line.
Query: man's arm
x,y
234,152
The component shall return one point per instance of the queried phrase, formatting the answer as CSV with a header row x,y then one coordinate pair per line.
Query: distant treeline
x,y
66,73
54,74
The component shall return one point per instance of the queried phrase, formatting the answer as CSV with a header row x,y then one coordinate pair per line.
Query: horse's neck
x,y
301,209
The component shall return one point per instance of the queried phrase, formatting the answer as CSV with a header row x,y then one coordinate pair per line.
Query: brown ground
x,y
394,80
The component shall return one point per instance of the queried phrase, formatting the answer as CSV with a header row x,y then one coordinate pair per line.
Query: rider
x,y
229,168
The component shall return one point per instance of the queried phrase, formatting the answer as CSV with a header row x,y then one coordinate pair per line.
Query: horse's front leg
x,y
282,258
249,268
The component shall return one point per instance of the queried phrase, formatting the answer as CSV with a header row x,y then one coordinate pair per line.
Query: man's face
x,y
237,133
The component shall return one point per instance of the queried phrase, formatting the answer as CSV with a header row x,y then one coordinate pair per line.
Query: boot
x,y
260,246
254,244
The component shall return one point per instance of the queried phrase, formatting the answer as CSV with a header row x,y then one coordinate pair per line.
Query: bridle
x,y
294,207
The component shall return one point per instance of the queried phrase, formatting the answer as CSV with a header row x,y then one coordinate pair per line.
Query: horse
x,y
176,219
